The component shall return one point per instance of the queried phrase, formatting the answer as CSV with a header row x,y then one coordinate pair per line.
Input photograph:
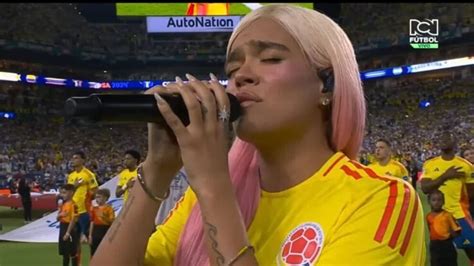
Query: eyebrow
x,y
258,46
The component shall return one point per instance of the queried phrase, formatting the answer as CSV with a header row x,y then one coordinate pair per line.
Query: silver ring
x,y
224,114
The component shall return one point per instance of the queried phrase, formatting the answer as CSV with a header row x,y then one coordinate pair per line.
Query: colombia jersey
x,y
124,177
456,199
393,168
344,214
81,195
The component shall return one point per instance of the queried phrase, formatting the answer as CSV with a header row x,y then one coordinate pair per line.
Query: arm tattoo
x,y
122,215
212,232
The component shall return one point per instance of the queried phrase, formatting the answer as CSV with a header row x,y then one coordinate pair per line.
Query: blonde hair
x,y
324,45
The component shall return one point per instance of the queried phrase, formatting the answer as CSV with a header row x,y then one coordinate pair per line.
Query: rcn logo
x,y
424,33
427,27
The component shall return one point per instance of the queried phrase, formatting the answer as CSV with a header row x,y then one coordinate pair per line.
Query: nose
x,y
245,76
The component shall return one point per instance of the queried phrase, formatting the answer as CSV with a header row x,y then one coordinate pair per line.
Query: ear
x,y
327,77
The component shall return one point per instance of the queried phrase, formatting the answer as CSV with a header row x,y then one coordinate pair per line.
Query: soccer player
x,y
128,175
85,185
451,175
102,217
68,234
385,165
443,228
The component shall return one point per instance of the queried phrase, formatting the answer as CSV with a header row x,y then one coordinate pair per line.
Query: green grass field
x,y
26,254
177,9
29,254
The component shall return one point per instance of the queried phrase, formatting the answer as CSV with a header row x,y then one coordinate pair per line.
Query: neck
x,y
78,168
289,163
131,169
385,161
437,211
448,156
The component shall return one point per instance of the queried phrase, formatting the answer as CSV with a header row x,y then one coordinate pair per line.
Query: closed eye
x,y
229,73
271,60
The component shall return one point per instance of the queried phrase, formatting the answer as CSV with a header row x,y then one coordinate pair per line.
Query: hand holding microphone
x,y
187,124
203,143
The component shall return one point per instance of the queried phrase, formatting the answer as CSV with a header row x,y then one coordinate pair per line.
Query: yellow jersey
x,y
456,199
82,196
392,168
124,177
344,208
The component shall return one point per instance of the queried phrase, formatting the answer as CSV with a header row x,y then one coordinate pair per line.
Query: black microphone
x,y
133,108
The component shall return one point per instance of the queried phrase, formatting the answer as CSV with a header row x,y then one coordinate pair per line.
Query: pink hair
x,y
324,44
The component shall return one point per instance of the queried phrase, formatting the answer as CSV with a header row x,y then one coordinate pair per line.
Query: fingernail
x,y
190,77
179,80
158,98
213,77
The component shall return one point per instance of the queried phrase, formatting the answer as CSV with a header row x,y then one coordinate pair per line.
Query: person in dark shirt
x,y
24,191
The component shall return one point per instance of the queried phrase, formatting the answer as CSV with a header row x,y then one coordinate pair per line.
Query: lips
x,y
247,97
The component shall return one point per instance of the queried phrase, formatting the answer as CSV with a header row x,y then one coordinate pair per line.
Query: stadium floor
x,y
13,254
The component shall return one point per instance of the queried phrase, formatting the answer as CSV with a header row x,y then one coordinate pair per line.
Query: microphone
x,y
133,108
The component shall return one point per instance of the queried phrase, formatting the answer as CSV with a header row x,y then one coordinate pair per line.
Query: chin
x,y
249,131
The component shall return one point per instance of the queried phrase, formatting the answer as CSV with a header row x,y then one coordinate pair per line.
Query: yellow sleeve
x,y
162,244
394,222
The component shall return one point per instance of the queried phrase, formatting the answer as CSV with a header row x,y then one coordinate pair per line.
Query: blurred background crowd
x,y
410,111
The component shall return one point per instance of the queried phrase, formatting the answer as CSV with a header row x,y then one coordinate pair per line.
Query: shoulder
x,y
372,164
463,161
183,206
385,194
73,204
429,215
88,172
123,173
429,162
398,164
363,176
382,213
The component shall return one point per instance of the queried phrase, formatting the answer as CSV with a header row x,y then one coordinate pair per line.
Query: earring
x,y
325,101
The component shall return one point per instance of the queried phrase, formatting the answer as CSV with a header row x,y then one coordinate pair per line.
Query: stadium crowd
x,y
398,112
394,110
63,30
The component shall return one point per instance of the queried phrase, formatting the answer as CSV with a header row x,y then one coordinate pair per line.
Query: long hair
x,y
324,45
